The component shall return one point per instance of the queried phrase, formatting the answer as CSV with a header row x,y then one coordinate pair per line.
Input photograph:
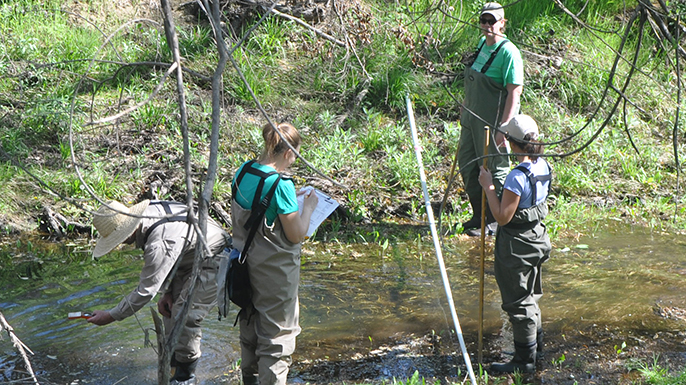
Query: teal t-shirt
x,y
507,67
284,200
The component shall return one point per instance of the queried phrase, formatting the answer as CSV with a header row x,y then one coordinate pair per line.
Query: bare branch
x,y
163,374
675,130
21,348
315,30
129,110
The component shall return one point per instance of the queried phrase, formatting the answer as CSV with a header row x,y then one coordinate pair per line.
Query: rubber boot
x,y
250,380
524,361
475,220
539,344
474,229
184,373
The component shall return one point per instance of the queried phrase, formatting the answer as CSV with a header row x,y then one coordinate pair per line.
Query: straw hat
x,y
114,227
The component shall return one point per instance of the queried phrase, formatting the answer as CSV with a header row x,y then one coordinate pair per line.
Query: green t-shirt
x,y
284,200
506,68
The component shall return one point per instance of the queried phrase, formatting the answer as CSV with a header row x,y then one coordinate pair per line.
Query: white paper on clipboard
x,y
325,207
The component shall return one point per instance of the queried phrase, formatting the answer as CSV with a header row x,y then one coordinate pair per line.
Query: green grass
x,y
350,106
655,374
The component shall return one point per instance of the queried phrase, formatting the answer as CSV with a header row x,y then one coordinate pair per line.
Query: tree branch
x,y
21,348
315,30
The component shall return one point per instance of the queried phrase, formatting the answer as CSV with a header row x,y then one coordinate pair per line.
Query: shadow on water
x,y
377,310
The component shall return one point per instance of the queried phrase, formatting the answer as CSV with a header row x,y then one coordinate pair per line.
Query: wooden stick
x,y
483,254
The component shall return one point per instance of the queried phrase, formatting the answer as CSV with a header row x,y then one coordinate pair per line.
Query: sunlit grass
x,y
354,125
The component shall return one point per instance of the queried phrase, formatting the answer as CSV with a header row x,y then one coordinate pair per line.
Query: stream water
x,y
354,296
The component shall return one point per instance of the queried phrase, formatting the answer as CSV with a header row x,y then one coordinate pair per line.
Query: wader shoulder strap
x,y
248,169
167,209
257,215
534,179
493,55
259,207
481,46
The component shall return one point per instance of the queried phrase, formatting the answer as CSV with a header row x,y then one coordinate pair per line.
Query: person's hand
x,y
101,318
500,139
311,200
485,178
164,305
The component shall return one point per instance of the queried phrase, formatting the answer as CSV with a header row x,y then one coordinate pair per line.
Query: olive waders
x,y
268,332
521,247
483,106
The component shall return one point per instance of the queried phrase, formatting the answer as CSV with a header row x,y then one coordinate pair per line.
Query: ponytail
x,y
529,146
273,144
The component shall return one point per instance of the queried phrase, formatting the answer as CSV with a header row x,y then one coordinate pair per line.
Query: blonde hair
x,y
273,144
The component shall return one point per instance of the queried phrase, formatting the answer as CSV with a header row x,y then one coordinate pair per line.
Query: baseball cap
x,y
519,126
494,9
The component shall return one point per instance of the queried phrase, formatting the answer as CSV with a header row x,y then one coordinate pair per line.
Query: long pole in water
x,y
437,245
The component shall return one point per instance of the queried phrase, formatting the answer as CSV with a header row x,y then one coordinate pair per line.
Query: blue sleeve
x,y
515,182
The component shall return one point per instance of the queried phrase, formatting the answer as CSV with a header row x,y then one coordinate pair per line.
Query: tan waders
x,y
187,351
483,106
269,330
521,247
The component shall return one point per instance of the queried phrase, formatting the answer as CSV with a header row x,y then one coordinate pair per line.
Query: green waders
x,y
521,247
483,106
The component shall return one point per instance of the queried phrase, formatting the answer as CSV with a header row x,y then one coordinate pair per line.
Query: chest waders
x,y
483,106
268,336
521,247
187,351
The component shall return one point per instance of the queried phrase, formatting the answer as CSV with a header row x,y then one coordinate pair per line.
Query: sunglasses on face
x,y
487,20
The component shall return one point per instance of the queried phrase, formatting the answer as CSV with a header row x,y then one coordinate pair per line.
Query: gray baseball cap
x,y
519,126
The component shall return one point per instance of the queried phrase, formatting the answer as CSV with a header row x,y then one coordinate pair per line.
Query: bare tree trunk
x,y
163,358
205,196
168,345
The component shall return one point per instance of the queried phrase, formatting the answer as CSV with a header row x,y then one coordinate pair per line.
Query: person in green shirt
x,y
493,86
268,328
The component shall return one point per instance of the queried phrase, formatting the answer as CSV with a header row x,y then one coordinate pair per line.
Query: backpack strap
x,y
259,207
493,55
167,209
533,180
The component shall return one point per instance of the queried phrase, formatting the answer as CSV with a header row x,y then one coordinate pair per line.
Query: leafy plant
x,y
620,350
557,362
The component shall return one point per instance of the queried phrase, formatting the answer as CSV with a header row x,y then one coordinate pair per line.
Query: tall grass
x,y
349,105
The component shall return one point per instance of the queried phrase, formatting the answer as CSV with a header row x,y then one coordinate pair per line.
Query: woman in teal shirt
x,y
268,331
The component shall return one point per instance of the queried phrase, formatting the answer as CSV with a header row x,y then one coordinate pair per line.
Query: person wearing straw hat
x,y
521,243
493,85
160,228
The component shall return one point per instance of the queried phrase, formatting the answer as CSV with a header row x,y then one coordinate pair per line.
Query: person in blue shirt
x,y
268,330
522,243
493,85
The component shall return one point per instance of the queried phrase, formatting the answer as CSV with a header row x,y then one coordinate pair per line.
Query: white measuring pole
x,y
437,245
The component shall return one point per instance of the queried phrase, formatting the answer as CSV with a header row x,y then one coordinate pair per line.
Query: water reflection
x,y
353,297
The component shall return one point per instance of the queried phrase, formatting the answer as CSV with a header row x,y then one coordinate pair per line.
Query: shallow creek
x,y
354,297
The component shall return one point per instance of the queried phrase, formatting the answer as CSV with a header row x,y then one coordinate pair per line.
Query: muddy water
x,y
354,297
